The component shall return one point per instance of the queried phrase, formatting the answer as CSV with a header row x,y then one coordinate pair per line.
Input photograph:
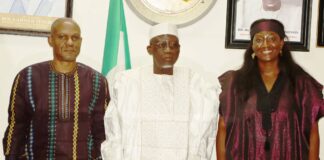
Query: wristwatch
x,y
179,12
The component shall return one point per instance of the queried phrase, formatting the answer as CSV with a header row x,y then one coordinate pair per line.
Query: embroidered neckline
x,y
52,67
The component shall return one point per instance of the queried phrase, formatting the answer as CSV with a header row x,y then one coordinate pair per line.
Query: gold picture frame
x,y
35,23
181,13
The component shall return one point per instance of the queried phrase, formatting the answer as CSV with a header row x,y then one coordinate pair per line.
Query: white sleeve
x,y
111,148
203,119
113,76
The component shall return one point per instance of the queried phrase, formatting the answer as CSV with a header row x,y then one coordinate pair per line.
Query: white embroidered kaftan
x,y
160,117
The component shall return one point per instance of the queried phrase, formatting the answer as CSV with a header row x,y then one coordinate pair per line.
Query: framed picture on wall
x,y
320,30
32,17
294,14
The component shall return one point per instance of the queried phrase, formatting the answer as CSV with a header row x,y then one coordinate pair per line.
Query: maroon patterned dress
x,y
56,116
285,134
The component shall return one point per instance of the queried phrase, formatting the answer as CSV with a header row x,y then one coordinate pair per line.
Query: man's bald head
x,y
58,22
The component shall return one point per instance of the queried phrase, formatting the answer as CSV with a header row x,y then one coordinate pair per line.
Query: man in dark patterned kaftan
x,y
56,107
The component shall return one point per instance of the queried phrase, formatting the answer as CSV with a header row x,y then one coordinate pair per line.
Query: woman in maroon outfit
x,y
270,107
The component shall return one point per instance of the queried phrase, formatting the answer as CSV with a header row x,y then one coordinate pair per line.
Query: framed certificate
x,y
179,12
294,14
32,17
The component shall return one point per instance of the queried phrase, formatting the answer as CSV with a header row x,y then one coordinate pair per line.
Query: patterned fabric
x,y
32,103
56,116
160,117
290,123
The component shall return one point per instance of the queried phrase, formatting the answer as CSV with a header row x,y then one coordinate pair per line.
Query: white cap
x,y
163,28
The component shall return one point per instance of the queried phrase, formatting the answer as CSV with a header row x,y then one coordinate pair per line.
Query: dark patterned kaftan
x,y
56,116
291,120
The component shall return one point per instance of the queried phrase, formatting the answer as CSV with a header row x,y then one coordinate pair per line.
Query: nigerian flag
x,y
116,43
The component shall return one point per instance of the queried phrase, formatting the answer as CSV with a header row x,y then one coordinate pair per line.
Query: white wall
x,y
202,47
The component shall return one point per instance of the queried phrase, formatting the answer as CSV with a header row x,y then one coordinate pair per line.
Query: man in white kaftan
x,y
161,112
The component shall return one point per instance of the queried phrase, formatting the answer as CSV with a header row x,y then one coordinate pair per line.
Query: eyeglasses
x,y
165,44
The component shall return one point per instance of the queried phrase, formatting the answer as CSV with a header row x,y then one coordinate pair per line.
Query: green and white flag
x,y
116,43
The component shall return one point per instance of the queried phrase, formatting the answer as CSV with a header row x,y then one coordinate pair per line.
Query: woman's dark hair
x,y
243,79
